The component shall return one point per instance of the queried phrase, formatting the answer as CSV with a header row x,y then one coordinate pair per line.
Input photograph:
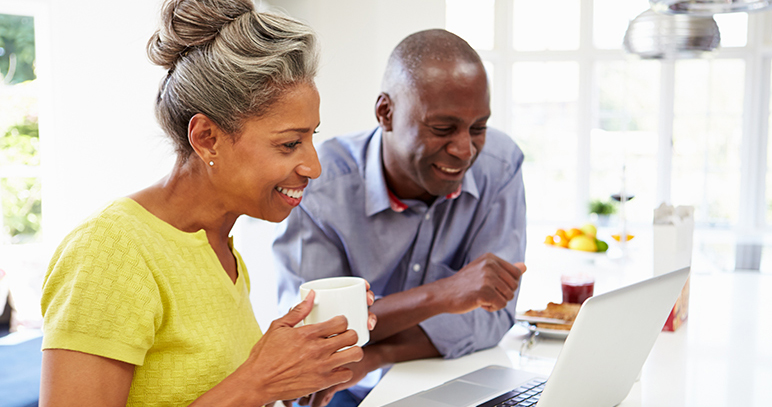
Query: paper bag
x,y
673,235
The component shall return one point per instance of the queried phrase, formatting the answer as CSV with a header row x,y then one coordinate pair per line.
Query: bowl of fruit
x,y
582,239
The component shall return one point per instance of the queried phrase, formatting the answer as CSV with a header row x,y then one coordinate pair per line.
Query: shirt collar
x,y
398,206
378,197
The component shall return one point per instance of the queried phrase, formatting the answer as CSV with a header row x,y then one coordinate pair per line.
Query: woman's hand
x,y
359,370
372,319
290,362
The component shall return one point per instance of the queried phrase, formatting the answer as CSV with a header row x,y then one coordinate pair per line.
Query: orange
x,y
561,234
619,237
574,232
549,240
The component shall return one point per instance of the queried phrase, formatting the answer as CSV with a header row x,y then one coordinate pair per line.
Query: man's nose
x,y
461,146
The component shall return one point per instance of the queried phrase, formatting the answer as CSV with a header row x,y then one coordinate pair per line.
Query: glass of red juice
x,y
577,287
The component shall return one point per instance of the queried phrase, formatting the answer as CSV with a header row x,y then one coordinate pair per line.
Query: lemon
x,y
589,229
583,243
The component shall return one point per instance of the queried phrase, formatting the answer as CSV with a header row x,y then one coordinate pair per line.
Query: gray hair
x,y
226,61
405,64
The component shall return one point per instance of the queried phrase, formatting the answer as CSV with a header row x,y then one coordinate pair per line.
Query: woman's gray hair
x,y
226,61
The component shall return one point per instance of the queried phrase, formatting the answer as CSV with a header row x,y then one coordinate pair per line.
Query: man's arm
x,y
502,233
488,283
303,252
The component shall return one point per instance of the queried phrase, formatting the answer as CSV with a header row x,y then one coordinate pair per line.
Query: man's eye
x,y
291,145
442,130
479,129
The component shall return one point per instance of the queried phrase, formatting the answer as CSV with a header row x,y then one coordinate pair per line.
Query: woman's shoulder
x,y
120,216
116,223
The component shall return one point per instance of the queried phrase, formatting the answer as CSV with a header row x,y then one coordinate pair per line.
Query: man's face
x,y
436,129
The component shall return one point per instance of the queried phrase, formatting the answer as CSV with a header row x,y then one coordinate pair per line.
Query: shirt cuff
x,y
450,334
104,347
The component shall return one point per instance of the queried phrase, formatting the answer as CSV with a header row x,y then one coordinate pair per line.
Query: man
x,y
424,207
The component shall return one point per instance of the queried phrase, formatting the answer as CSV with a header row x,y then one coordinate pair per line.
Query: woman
x,y
147,302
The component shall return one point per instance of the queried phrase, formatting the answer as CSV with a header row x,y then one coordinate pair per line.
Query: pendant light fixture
x,y
653,35
708,7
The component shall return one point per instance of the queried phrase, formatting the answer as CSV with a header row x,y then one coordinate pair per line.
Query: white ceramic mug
x,y
335,296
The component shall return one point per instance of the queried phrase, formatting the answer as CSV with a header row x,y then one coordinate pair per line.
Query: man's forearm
x,y
400,311
410,344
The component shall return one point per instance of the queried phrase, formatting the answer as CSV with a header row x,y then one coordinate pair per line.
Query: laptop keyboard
x,y
523,396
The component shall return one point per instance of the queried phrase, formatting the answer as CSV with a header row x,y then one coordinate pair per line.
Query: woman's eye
x,y
291,145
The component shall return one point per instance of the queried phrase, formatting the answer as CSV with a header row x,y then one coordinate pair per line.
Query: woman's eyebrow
x,y
298,129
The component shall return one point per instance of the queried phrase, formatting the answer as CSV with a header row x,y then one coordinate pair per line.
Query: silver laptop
x,y
598,364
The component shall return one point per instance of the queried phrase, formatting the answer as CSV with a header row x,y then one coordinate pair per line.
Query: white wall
x,y
356,39
100,138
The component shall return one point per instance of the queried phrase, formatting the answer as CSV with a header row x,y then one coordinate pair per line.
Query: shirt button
x,y
427,216
416,267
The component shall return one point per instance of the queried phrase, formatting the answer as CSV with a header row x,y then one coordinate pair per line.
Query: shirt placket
x,y
419,259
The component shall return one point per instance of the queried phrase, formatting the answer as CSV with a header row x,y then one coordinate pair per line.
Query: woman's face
x,y
266,169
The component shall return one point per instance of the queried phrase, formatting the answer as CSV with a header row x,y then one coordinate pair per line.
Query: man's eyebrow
x,y
455,119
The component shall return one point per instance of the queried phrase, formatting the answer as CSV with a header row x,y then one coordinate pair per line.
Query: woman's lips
x,y
292,196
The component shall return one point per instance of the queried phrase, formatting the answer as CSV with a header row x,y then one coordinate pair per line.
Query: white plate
x,y
550,333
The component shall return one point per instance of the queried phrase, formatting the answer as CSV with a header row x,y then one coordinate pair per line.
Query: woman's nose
x,y
310,167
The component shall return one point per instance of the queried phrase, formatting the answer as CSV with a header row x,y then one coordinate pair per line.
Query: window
x,y
590,117
544,116
535,30
475,24
707,132
623,138
20,177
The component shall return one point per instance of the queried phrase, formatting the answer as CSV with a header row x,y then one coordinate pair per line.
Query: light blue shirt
x,y
345,226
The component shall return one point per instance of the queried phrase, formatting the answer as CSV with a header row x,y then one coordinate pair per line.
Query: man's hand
x,y
488,282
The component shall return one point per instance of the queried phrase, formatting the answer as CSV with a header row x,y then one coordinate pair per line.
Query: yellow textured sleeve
x,y
99,296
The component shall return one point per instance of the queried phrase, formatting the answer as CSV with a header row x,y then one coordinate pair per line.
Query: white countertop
x,y
722,355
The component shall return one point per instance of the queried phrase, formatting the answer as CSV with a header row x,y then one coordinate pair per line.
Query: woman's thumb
x,y
300,311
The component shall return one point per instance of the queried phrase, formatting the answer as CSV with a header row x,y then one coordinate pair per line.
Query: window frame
x,y
757,55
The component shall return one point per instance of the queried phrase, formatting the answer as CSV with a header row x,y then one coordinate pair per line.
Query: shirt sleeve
x,y
503,233
100,298
303,252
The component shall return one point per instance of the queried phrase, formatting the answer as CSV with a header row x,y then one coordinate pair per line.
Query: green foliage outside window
x,y
17,49
21,208
20,196
20,184
20,144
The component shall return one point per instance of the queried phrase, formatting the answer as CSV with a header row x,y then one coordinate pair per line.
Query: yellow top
x,y
128,286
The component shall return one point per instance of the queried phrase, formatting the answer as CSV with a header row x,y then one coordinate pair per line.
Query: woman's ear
x,y
203,135
384,111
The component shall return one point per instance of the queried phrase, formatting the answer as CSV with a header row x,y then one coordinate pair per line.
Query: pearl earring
x,y
211,163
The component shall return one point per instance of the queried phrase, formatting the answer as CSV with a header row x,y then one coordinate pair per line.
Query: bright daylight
x,y
447,203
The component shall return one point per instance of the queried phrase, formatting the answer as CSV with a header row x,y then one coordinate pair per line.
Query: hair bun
x,y
190,23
